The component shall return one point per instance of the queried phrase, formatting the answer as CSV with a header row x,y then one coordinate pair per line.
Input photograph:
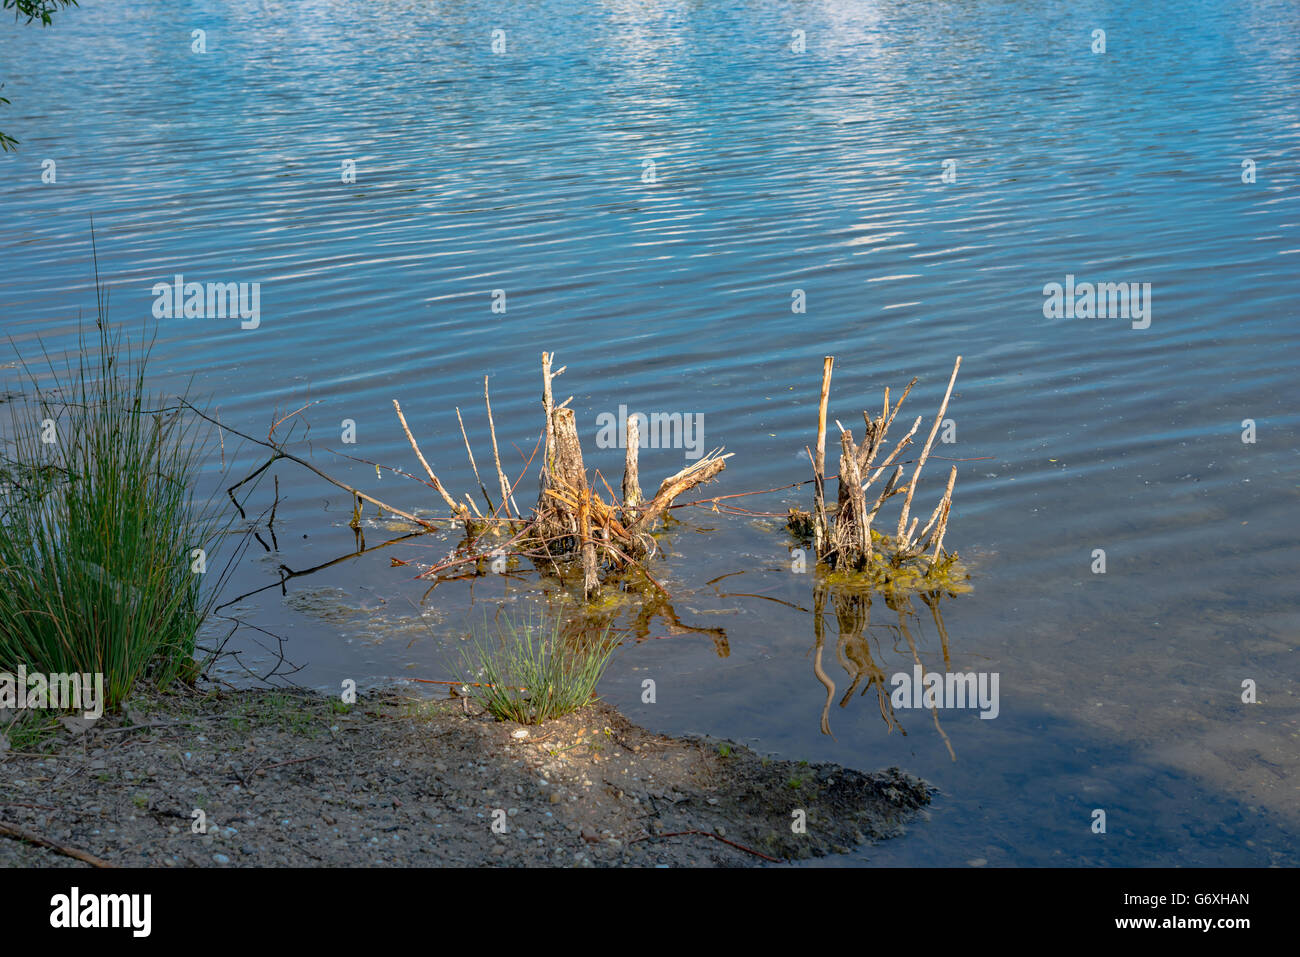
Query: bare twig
x,y
281,453
487,498
455,508
31,837
496,456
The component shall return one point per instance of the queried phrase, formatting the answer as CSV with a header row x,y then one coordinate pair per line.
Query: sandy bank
x,y
286,778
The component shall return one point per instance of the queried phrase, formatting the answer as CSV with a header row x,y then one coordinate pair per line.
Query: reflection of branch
x,y
819,611
779,601
902,624
932,602
281,453
288,573
661,607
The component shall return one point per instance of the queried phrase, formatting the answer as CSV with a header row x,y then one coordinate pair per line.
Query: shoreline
x,y
293,778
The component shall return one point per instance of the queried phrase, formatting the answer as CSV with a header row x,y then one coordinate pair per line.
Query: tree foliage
x,y
42,10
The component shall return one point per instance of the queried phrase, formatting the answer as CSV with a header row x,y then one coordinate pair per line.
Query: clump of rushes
x,y
532,672
99,525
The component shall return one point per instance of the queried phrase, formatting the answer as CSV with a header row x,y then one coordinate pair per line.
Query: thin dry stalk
x,y
496,455
925,453
631,472
470,452
819,465
458,510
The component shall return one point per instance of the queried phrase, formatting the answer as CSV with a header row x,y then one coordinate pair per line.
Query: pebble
x,y
221,858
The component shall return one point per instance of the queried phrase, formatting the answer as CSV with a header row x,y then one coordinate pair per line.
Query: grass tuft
x,y
99,525
533,672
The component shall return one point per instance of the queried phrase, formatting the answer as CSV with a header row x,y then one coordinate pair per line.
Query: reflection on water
x,y
856,636
869,654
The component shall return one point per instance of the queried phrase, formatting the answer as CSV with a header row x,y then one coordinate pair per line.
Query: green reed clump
x,y
532,672
99,525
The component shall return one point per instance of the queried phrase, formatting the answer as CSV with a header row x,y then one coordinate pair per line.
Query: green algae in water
x,y
949,575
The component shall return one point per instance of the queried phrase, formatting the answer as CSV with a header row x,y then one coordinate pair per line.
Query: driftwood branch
x,y
31,837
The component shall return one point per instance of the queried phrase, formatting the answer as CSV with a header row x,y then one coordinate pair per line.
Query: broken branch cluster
x,y
573,524
843,537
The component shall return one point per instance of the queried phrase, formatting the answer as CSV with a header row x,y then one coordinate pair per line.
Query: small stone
x,y
555,797
221,858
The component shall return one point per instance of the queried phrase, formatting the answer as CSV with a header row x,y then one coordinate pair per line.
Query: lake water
x,y
773,171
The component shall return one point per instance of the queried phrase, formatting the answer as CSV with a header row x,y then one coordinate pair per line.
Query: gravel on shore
x,y
280,778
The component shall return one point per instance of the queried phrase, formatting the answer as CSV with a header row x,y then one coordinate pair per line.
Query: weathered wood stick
x,y
899,404
31,837
571,472
631,473
469,451
903,443
851,480
696,474
548,404
451,503
569,468
934,516
929,443
883,423
496,455
945,509
891,488
474,507
819,464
